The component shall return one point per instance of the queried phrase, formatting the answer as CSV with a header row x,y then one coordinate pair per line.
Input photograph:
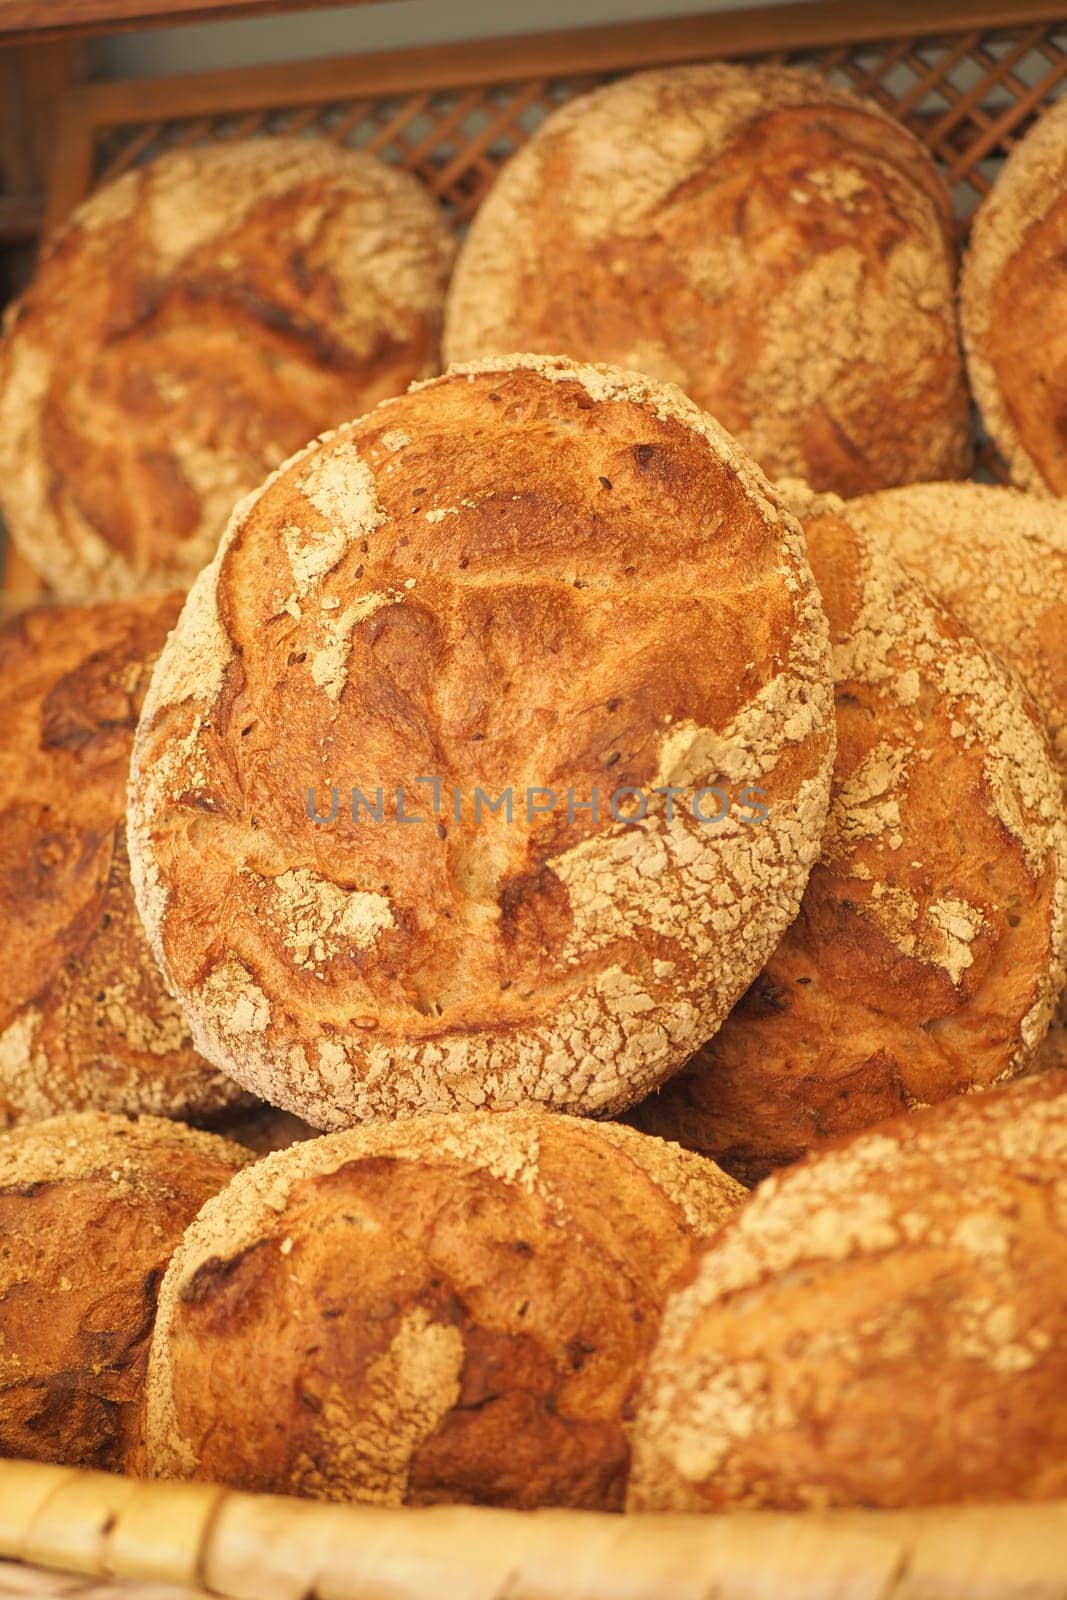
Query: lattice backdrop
x,y
969,96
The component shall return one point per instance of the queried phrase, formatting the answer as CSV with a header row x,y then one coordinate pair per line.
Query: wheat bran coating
x,y
523,574
436,1309
91,1207
930,946
779,248
998,559
196,321
85,1021
883,1325
1013,307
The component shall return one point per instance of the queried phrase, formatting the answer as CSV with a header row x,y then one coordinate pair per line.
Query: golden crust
x,y
506,579
85,1021
931,941
194,323
778,247
998,559
881,1325
1013,307
441,1308
91,1207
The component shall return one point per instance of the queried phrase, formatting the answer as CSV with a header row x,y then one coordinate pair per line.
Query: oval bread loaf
x,y
441,1308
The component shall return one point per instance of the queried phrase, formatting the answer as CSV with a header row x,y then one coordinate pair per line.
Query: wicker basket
x,y
261,1547
968,78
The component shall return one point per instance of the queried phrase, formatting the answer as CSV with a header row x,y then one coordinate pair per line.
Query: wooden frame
x,y
58,19
828,35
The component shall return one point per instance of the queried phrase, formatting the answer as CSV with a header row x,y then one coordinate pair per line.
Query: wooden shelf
x,y
23,20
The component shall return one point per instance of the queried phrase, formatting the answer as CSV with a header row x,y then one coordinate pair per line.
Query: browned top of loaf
x,y
194,323
1013,307
85,1021
778,247
883,1325
91,1207
442,1308
930,946
524,574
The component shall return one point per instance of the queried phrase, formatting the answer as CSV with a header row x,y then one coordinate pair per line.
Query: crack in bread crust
x,y
547,630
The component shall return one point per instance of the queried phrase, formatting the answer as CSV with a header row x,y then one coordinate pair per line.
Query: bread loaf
x,y
882,1325
1013,307
442,1308
998,558
194,322
778,247
530,578
85,1021
930,946
91,1208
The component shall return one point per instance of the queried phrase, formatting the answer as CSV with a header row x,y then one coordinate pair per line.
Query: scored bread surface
x,y
523,574
778,247
878,1326
433,1309
930,948
194,322
85,1019
1013,307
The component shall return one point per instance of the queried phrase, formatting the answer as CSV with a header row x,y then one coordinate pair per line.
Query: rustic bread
x,y
85,1021
931,941
525,575
91,1207
1013,307
438,1309
195,322
778,247
883,1325
998,558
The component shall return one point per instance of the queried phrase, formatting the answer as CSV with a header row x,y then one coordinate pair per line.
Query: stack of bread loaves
x,y
548,814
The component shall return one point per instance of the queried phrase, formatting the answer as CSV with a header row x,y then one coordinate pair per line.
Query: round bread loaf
x,y
778,247
1013,307
91,1207
998,558
196,321
882,1325
931,941
439,1309
85,1021
526,578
